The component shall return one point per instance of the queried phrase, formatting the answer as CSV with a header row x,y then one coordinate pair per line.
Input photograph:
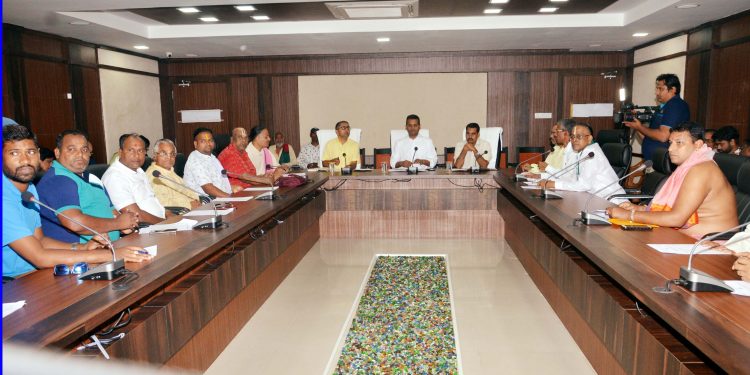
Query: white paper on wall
x,y
200,115
592,110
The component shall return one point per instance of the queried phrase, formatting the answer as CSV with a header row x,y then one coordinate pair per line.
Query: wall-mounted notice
x,y
542,115
200,115
592,110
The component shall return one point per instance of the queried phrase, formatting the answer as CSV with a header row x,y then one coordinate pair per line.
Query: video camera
x,y
643,113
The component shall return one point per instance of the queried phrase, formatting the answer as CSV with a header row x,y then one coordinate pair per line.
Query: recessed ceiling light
x,y
499,1
595,45
640,35
261,18
245,8
80,23
140,46
384,39
209,19
558,1
547,10
188,10
190,55
492,11
687,6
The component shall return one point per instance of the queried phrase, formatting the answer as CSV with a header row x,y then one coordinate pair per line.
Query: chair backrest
x,y
449,153
619,156
743,193
382,155
605,136
179,164
660,157
502,161
97,169
525,153
325,135
730,165
147,163
493,135
221,142
653,181
362,157
397,134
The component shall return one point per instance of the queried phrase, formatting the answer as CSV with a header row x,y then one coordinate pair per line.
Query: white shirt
x,y
550,170
470,160
590,175
126,186
258,159
404,150
309,154
203,169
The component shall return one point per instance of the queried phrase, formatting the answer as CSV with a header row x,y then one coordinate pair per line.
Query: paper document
x,y
363,169
209,212
183,224
234,199
684,249
741,288
530,187
313,169
260,188
151,250
592,110
9,308
421,168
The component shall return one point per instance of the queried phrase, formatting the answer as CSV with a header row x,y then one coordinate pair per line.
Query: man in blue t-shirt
x,y
25,247
674,111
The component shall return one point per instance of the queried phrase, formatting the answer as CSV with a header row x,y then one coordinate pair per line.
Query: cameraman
x,y
674,111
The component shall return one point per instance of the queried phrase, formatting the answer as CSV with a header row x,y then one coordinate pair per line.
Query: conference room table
x,y
189,301
600,280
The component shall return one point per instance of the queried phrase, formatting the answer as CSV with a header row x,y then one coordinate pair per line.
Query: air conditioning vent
x,y
374,9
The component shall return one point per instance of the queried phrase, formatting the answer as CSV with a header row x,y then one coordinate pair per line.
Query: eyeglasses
x,y
77,269
580,137
165,154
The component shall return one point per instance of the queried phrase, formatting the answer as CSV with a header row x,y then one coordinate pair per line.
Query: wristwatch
x,y
74,246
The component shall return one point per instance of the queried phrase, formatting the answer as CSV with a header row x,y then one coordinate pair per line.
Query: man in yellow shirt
x,y
342,150
169,194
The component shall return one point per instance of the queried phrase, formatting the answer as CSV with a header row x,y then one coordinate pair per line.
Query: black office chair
x,y
619,156
221,141
147,163
653,181
730,165
606,136
179,164
97,169
743,193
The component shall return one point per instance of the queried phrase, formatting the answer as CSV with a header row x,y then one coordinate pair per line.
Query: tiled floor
x,y
505,326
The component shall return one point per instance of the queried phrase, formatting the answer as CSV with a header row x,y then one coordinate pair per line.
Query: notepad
x,y
741,288
684,249
261,188
183,224
209,212
234,199
530,187
9,308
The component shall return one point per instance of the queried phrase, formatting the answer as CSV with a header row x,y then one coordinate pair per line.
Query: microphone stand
x,y
544,194
204,198
589,218
105,271
519,177
699,281
345,170
272,196
413,169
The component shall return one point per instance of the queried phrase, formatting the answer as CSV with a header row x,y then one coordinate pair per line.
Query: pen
x,y
164,230
144,252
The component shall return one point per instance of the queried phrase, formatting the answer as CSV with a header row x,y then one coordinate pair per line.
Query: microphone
x,y
475,167
204,198
516,175
699,281
105,271
345,169
272,194
546,194
413,169
593,219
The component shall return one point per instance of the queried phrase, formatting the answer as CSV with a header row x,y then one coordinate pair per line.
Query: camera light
x,y
622,94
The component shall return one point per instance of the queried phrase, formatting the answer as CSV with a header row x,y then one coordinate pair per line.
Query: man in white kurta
x,y
591,174
414,149
203,169
474,152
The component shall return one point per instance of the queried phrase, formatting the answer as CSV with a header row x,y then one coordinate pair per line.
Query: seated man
x,y
203,169
168,193
47,157
474,152
341,151
414,149
309,155
235,159
696,198
25,247
283,152
127,184
560,136
67,187
709,138
591,174
727,140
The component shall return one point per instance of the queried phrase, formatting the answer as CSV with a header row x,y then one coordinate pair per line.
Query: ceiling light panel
x,y
384,39
141,47
245,8
209,19
261,18
640,35
547,10
492,11
499,1
189,10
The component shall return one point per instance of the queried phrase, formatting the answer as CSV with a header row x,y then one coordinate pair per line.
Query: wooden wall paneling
x,y
200,95
244,102
734,29
700,39
521,102
729,89
87,103
265,102
543,99
9,103
591,88
168,119
49,110
43,45
80,54
501,111
285,107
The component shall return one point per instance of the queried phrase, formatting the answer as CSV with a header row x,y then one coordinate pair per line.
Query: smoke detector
x,y
374,9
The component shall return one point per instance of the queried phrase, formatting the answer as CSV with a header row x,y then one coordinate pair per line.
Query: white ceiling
x,y
612,28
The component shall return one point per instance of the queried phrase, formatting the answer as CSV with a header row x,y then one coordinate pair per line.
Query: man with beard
x,y
25,247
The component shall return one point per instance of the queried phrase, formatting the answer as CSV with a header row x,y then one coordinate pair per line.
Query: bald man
x,y
236,161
